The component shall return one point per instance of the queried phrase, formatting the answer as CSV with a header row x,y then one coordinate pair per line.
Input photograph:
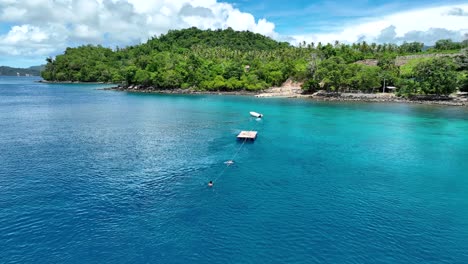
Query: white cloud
x,y
61,23
85,32
428,25
12,13
456,11
45,27
28,40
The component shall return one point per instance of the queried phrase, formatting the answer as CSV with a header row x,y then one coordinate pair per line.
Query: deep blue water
x,y
92,176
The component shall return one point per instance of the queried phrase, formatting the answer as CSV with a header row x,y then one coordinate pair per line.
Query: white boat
x,y
255,114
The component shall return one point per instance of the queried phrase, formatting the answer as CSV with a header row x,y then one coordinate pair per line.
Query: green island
x,y
228,60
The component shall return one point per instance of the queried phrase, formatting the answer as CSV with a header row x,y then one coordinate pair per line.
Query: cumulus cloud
x,y
61,23
456,11
389,35
188,10
425,25
28,40
40,28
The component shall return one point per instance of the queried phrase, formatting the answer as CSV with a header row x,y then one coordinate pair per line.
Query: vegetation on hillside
x,y
231,60
10,71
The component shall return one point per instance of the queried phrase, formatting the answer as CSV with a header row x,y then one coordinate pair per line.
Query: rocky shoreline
x,y
391,98
296,92
72,82
141,89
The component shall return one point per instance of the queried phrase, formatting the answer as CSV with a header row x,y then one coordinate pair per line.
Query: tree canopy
x,y
232,60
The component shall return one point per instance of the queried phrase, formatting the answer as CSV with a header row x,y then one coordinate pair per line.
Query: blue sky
x,y
302,16
30,31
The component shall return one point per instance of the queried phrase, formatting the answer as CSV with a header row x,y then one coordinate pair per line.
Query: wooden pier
x,y
247,135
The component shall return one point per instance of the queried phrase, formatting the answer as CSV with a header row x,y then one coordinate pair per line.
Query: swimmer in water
x,y
210,184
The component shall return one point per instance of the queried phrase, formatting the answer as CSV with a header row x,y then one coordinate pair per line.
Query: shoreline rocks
x,y
144,89
71,82
390,98
276,92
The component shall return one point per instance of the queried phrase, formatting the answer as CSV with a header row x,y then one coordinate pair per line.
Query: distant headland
x,y
31,71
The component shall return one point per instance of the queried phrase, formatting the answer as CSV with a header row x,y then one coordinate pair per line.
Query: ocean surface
x,y
93,176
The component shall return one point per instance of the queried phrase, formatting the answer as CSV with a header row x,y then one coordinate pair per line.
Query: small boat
x,y
229,162
255,114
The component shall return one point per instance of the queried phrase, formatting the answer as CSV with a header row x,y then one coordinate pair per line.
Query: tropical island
x,y
193,60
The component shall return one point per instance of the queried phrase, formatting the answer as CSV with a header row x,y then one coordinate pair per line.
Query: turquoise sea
x,y
93,176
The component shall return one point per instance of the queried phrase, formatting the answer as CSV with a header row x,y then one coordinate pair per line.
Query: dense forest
x,y
231,60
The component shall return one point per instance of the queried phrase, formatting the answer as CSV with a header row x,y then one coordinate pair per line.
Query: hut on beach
x,y
390,89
